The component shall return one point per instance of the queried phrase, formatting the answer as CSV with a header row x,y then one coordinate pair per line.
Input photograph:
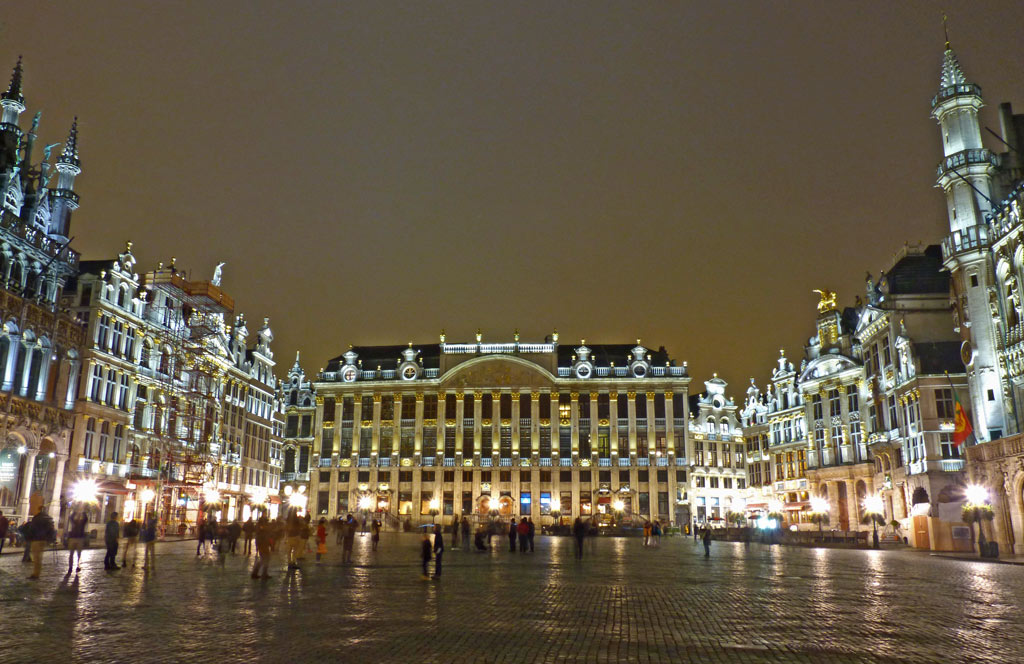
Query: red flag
x,y
962,425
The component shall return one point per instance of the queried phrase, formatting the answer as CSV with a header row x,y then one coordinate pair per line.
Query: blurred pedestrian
x,y
349,527
513,533
579,531
40,533
249,528
321,538
131,538
455,532
375,536
465,531
524,532
707,542
295,542
438,550
425,553
531,532
264,532
647,533
234,532
76,538
201,536
4,525
656,533
111,535
148,537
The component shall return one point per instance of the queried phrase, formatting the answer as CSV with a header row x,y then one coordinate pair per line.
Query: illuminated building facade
x,y
176,407
719,460
39,342
502,429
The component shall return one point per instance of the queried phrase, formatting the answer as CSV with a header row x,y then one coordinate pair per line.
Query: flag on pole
x,y
962,426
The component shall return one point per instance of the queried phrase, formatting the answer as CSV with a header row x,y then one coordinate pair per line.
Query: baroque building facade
x,y
506,429
39,341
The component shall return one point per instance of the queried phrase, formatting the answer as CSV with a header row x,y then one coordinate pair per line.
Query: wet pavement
x,y
621,603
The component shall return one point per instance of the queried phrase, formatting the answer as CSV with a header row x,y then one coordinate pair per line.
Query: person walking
x,y
131,538
40,533
438,550
513,533
524,532
465,531
696,531
295,542
455,532
5,523
579,531
76,539
264,533
531,532
248,528
375,536
656,533
647,533
234,532
349,527
425,554
148,536
321,538
212,533
201,536
707,542
111,536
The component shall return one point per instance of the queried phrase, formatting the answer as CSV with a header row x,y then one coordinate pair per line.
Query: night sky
x,y
374,172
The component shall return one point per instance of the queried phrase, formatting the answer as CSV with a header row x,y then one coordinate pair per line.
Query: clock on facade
x,y
348,374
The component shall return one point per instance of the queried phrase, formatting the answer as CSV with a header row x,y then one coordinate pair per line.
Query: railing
x,y
564,462
584,423
965,158
662,461
384,462
325,463
603,461
1010,446
680,461
525,422
449,462
955,90
952,465
363,462
505,461
643,461
486,462
641,423
545,461
408,422
623,462
467,422
659,422
965,239
427,460
623,422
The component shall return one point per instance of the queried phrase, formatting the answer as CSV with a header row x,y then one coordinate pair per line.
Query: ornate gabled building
x,y
914,370
300,403
774,428
39,361
834,392
499,429
719,460
176,408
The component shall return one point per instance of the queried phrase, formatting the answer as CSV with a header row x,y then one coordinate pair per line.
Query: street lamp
x,y
978,510
874,511
819,513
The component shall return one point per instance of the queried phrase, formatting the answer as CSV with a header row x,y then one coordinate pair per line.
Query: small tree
x,y
819,518
876,520
780,519
974,513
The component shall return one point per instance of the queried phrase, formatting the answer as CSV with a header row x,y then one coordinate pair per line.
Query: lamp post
x,y
819,513
874,511
978,510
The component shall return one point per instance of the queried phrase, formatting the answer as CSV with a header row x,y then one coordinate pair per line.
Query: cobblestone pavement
x,y
622,603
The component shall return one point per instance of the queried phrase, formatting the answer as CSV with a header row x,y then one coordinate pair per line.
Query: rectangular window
x,y
713,482
365,442
429,442
565,476
713,454
467,443
853,402
681,476
564,408
329,406
698,481
604,448
545,406
346,442
565,442
486,445
886,352
816,405
326,443
726,482
603,408
524,503
525,405
944,408
406,443
698,453
505,442
545,442
387,408
449,442
949,449
430,407
408,407
833,403
307,425
545,502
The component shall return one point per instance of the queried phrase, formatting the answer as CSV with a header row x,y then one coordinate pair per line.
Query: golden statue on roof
x,y
828,300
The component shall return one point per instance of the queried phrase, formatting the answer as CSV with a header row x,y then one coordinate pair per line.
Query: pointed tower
x,y
64,199
12,105
965,177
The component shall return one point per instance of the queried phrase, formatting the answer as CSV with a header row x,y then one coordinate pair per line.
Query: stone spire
x,y
14,92
952,74
69,155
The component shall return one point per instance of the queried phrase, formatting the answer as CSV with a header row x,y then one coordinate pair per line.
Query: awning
x,y
757,506
797,506
112,488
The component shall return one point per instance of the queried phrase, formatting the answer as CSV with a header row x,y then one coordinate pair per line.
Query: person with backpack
x,y
39,533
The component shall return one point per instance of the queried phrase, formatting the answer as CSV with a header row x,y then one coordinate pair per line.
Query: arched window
x,y
90,433
118,440
104,439
16,275
123,299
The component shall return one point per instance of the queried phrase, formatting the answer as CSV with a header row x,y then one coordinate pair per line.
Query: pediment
x,y
827,365
488,372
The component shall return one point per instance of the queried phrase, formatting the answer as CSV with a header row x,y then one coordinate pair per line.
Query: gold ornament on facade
x,y
827,300
506,422
650,396
376,398
545,422
485,422
367,424
631,395
460,395
449,423
419,396
574,396
319,400
387,424
613,395
534,396
603,422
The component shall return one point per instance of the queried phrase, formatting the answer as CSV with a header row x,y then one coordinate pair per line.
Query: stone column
x,y
535,425
574,426
613,423
594,418
852,504
26,370
631,414
14,342
460,409
29,459
842,446
670,431
478,409
58,486
418,431
375,439
44,374
812,451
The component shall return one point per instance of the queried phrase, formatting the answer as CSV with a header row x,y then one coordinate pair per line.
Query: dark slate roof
x,y
919,274
388,357
849,319
603,355
87,267
937,357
